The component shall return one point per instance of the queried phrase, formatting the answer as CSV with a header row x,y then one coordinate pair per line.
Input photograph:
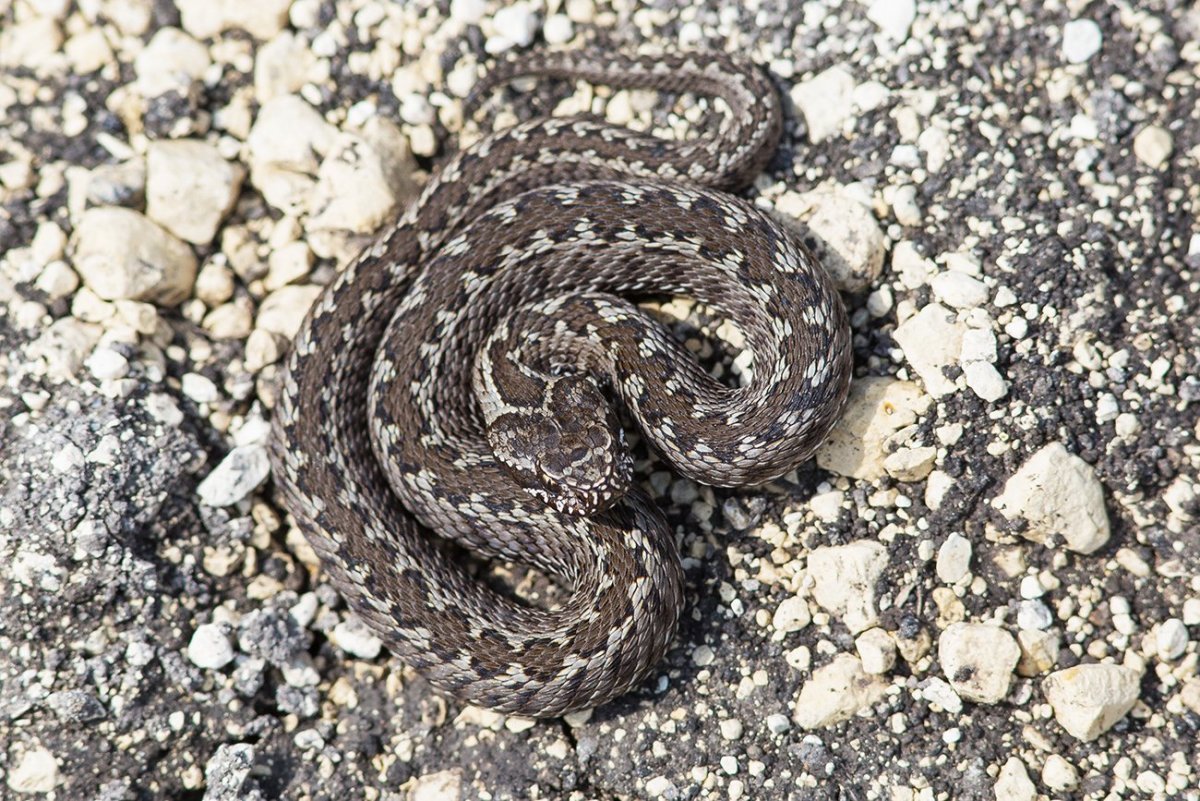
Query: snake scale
x,y
456,378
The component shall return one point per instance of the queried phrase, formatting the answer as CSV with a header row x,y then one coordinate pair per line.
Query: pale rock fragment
x,y
1058,494
1089,699
844,579
836,692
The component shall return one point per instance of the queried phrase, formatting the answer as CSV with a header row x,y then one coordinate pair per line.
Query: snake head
x,y
570,452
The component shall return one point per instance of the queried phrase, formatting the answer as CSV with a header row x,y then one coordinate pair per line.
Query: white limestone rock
x,y
286,143
835,693
205,19
190,188
850,243
825,100
171,62
1059,496
120,254
931,340
978,660
283,310
1013,783
876,409
241,472
1089,699
844,579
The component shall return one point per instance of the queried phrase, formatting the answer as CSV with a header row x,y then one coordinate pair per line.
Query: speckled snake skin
x,y
504,294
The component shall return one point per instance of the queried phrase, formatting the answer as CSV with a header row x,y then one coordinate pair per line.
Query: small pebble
x,y
731,729
954,558
210,647
1153,146
1034,614
1171,639
199,388
1081,40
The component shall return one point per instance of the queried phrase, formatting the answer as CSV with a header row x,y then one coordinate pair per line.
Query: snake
x,y
452,395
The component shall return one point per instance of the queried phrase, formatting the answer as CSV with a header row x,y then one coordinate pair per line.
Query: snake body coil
x,y
503,295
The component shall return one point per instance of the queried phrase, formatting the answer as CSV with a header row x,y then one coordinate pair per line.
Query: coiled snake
x,y
504,293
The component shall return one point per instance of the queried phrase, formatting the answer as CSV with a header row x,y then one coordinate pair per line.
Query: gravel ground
x,y
986,585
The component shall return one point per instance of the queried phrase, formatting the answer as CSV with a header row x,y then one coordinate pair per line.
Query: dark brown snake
x,y
506,292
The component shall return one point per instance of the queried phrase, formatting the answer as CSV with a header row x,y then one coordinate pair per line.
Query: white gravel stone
x,y
1013,783
959,289
283,310
34,771
1059,495
978,345
954,559
825,100
903,201
57,280
164,409
894,17
468,12
362,181
985,381
49,243
851,243
121,254
262,19
353,637
214,283
1153,146
937,485
1081,40
33,43
416,110
171,62
282,66
558,29
731,729
1033,614
876,409
937,691
284,149
836,692
441,786
515,25
230,321
910,464
199,388
106,364
262,348
1191,612
703,656
190,188
210,647
778,724
1031,587
1089,699
844,579
978,660
241,472
792,614
932,339
1171,639
288,263
877,651
1059,775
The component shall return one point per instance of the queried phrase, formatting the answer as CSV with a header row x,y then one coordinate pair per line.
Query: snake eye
x,y
578,455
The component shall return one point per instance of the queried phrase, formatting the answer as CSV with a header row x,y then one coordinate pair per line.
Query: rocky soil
x,y
986,584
